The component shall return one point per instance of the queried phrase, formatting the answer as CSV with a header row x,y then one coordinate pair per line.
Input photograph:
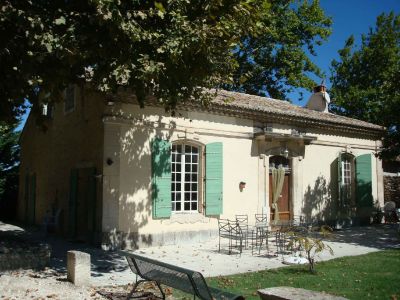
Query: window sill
x,y
187,218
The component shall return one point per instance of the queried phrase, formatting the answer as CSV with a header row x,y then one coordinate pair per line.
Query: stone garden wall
x,y
17,254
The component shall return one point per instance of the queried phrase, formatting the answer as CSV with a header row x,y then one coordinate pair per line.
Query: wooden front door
x,y
82,204
30,198
284,206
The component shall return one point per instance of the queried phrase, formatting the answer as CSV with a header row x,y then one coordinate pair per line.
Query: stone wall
x,y
392,189
16,255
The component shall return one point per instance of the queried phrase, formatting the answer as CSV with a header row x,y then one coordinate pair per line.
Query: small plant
x,y
302,241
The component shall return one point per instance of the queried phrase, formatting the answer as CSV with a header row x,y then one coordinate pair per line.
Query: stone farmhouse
x,y
124,176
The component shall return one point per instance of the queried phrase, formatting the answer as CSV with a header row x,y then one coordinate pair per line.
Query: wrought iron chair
x,y
260,232
230,230
243,222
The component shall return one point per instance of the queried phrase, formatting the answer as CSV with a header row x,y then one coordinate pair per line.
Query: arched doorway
x,y
284,203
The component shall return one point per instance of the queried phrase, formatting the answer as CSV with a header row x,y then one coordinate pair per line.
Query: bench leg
x,y
129,296
162,292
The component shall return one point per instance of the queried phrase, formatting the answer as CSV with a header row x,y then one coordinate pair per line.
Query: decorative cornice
x,y
266,110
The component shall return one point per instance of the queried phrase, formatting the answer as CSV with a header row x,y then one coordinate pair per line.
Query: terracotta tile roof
x,y
282,109
268,110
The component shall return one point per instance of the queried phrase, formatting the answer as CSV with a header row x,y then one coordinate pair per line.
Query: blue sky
x,y
349,17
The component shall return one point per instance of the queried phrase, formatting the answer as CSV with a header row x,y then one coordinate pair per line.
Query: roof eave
x,y
273,117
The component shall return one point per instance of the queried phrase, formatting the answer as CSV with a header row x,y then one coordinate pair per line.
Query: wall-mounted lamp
x,y
242,185
109,161
285,152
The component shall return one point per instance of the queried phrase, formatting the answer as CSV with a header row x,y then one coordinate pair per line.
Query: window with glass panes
x,y
185,177
69,103
346,176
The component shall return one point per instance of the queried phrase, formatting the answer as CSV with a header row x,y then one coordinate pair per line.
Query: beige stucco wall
x,y
127,216
314,186
70,140
130,175
116,140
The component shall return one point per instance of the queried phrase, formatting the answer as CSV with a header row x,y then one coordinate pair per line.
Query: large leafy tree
x,y
170,48
9,162
278,61
365,81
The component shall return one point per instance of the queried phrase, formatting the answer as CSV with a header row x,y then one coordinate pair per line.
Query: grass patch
x,y
374,276
370,276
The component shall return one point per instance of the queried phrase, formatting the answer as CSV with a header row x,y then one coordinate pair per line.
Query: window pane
x,y
178,167
194,159
187,196
187,186
187,158
173,177
178,206
194,205
194,186
178,177
194,177
195,150
178,186
194,168
187,205
188,149
194,196
187,177
178,196
179,148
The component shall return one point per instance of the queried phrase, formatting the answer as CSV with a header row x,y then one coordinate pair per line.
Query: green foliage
x,y
302,241
365,80
9,162
169,48
369,276
276,61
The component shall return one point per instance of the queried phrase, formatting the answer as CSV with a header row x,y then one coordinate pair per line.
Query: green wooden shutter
x,y
364,180
73,194
340,180
26,198
32,199
214,176
92,201
161,178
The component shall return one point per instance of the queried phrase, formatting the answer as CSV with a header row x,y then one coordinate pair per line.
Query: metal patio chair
x,y
243,222
231,231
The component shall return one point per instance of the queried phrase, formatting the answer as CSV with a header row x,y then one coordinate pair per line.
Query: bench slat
x,y
186,280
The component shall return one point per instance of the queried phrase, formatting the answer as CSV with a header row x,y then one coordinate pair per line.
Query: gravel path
x,y
47,284
111,275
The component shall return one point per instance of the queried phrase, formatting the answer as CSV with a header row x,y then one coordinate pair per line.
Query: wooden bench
x,y
188,281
